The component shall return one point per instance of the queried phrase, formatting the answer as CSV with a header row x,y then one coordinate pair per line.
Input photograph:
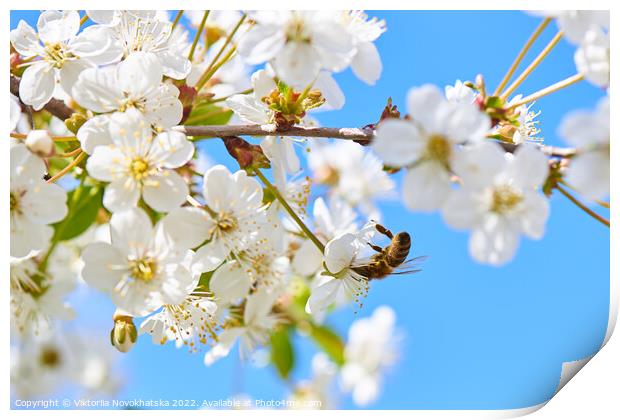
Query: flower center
x,y
49,357
226,222
57,55
143,269
439,148
504,199
296,31
139,168
127,103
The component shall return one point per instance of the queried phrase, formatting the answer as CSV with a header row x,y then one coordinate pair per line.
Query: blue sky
x,y
476,337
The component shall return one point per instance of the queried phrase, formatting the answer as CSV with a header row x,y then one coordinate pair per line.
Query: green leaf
x,y
282,355
82,216
209,114
495,102
329,341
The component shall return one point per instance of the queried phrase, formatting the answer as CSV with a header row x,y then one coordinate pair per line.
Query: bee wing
x,y
416,260
411,265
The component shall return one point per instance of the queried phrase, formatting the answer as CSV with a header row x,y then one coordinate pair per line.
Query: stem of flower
x,y
549,89
195,203
545,52
71,153
198,34
207,74
177,18
602,203
521,55
581,205
223,98
67,168
290,211
63,225
55,138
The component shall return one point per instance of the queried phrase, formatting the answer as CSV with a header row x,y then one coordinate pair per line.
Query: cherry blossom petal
x,y
209,257
121,194
230,282
493,242
104,266
94,132
187,227
27,237
105,162
55,26
131,229
340,252
45,203
397,142
25,40
165,191
426,187
366,64
37,85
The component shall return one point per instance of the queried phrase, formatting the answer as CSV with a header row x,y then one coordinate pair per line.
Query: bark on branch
x,y
356,134
362,135
359,135
55,107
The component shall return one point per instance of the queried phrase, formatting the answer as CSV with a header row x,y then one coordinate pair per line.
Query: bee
x,y
388,259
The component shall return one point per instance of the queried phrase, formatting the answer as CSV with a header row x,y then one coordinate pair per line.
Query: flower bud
x,y
187,96
40,143
247,155
124,334
74,122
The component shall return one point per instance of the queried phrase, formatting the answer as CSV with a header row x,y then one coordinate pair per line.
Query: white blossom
x,y
190,323
353,173
137,163
592,57
460,93
143,31
298,44
589,132
140,269
37,299
576,23
498,200
340,278
134,83
426,145
366,62
372,346
229,222
34,203
64,53
258,324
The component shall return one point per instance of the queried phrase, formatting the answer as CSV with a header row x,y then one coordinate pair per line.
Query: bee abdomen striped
x,y
398,249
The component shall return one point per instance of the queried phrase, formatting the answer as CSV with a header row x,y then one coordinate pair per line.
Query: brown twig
x,y
55,107
359,135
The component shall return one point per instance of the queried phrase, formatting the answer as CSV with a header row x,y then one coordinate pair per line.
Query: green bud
x,y
74,122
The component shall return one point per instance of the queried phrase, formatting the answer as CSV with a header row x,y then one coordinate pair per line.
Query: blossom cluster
x,y
109,189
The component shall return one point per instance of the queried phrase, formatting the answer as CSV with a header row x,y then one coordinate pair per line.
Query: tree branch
x,y
359,135
362,135
55,107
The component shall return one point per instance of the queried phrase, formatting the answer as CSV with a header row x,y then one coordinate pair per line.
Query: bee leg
x,y
384,230
375,247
